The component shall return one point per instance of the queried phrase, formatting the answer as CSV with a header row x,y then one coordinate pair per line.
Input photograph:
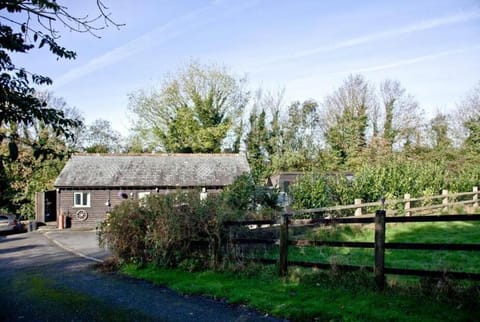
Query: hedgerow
x,y
391,179
179,229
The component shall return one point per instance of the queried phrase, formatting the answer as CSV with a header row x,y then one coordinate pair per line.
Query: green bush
x,y
124,232
316,190
244,194
391,178
169,230
186,230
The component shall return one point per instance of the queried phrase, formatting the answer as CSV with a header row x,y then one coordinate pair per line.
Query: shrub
x,y
170,230
244,195
391,178
124,232
316,190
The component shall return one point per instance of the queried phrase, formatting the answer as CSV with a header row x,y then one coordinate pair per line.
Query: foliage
x,y
124,232
395,177
256,142
468,119
24,27
280,144
17,100
102,138
179,229
192,112
391,178
170,230
399,116
40,155
316,190
345,118
245,194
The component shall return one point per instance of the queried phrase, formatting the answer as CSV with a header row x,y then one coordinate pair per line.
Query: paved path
x,y
43,278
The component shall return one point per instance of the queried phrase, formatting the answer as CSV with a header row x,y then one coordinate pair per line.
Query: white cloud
x,y
156,37
305,81
361,40
148,40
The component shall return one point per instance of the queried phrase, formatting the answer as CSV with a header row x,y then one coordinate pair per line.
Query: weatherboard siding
x,y
98,198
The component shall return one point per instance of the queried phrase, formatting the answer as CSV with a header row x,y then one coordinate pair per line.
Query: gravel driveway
x,y
44,279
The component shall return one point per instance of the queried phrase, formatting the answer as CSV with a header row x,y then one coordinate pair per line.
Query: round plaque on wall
x,y
81,215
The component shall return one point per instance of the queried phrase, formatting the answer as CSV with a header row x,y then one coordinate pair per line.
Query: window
x,y
142,195
81,199
141,198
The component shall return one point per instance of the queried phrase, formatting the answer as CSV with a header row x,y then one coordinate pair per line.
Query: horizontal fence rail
x,y
379,245
406,205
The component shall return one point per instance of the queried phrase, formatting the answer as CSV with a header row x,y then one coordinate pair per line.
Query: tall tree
x,y
25,26
41,152
102,138
439,131
73,142
345,118
299,137
400,114
192,112
256,142
467,115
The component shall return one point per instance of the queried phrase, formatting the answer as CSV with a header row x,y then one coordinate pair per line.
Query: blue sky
x,y
307,47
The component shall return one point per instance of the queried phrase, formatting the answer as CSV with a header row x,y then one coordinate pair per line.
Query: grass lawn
x,y
312,296
441,232
308,295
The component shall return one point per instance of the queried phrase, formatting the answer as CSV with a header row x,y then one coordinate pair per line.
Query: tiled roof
x,y
155,170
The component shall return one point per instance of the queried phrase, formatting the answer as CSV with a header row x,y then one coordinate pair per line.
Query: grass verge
x,y
314,296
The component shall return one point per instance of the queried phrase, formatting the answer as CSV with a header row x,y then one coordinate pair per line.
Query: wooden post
x,y
445,199
380,249
406,197
61,220
283,265
475,197
358,211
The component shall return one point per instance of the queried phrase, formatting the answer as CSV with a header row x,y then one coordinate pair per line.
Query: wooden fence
x,y
379,245
407,206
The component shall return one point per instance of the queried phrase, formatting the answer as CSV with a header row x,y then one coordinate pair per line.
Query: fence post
x,y
380,249
358,211
475,197
283,265
445,199
406,197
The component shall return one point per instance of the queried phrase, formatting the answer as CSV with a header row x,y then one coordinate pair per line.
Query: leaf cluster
x,y
169,230
391,178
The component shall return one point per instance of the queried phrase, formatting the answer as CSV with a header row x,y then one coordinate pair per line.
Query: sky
x,y
306,47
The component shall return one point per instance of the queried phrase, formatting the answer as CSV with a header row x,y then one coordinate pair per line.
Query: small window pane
x,y
78,199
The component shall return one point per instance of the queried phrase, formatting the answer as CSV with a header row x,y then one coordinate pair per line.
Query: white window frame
x,y
83,203
142,195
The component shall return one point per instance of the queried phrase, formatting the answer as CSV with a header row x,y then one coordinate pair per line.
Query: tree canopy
x,y
25,26
37,131
193,110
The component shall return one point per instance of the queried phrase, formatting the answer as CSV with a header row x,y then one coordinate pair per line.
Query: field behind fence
x,y
289,245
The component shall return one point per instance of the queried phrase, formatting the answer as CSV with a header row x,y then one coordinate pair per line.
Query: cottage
x,y
90,185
